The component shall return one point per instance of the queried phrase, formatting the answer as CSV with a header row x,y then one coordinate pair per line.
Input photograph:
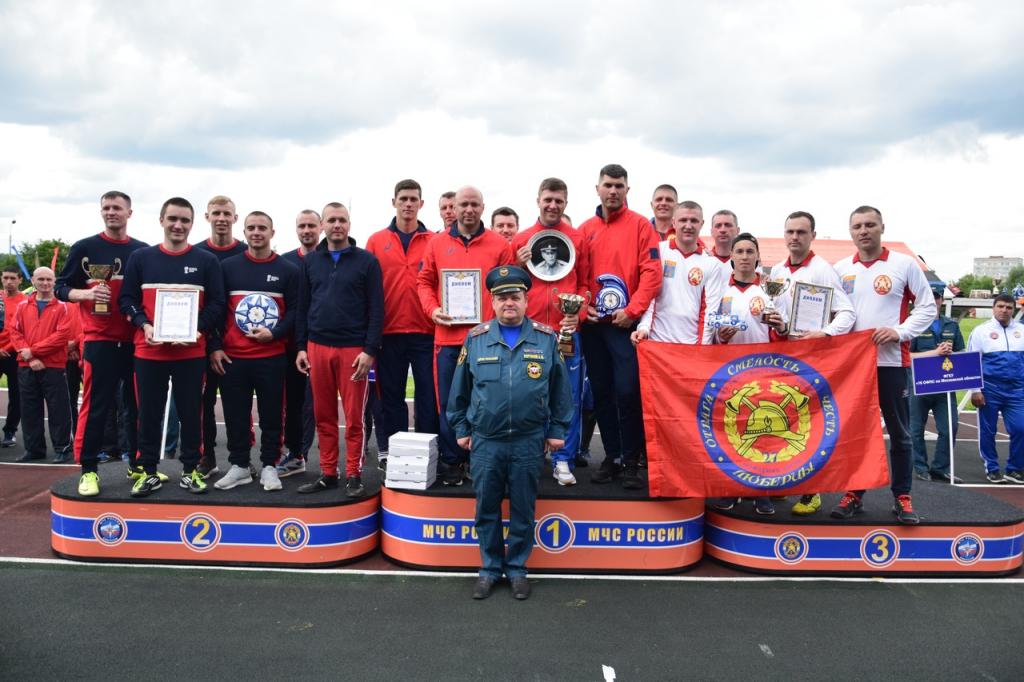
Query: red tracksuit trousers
x,y
330,372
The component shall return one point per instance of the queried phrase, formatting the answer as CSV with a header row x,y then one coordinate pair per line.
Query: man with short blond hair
x,y
446,208
663,204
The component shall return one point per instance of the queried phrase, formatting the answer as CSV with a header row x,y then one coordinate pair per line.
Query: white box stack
x,y
412,460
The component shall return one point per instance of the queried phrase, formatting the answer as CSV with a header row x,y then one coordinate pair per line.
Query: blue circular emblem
x,y
967,549
613,295
791,548
768,421
879,548
200,532
555,533
291,535
110,529
257,310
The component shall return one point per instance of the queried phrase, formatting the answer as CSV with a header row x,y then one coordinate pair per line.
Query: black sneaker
x,y
207,468
607,472
146,485
63,458
194,482
29,457
631,478
9,441
922,475
722,503
904,511
354,486
453,475
848,506
582,460
994,476
1016,477
764,506
325,482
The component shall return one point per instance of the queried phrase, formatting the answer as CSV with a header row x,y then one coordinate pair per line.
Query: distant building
x,y
996,266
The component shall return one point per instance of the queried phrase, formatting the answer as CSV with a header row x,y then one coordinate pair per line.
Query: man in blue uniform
x,y
1001,342
510,401
942,338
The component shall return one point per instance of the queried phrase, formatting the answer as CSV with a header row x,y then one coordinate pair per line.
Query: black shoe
x,y
1016,477
170,454
325,482
607,472
904,511
947,477
9,441
922,475
722,503
631,478
990,476
354,486
29,457
207,468
764,506
63,458
484,586
848,506
146,485
582,461
520,587
453,475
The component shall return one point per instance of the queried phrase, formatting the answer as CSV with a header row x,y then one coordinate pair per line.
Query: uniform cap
x,y
506,278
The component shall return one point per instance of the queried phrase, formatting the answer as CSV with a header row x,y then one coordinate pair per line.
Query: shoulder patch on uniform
x,y
480,329
462,356
543,328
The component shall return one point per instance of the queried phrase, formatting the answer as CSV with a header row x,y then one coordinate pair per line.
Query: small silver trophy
x,y
774,288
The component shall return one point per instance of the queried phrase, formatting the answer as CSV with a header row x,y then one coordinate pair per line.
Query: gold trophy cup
x,y
101,273
569,304
774,288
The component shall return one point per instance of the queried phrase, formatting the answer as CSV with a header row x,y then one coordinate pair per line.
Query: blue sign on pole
x,y
945,373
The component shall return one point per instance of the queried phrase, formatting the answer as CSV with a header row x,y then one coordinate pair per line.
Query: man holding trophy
x,y
557,303
92,276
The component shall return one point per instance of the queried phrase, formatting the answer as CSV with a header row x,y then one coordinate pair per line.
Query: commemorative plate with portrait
x,y
552,255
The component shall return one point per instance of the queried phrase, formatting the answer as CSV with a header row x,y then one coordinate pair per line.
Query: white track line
x,y
546,576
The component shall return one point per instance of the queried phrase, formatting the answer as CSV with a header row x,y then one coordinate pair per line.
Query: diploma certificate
x,y
460,295
177,315
812,307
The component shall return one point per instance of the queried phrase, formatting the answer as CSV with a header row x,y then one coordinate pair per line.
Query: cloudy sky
x,y
760,107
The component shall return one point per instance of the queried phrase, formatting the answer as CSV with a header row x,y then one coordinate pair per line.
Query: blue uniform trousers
x,y
397,353
445,359
577,371
515,464
1012,407
615,380
940,405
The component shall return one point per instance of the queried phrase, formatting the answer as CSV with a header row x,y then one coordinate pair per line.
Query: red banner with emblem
x,y
762,419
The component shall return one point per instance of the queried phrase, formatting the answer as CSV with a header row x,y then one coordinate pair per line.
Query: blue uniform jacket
x,y
949,330
500,392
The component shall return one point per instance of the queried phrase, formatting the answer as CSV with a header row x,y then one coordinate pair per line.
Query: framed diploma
x,y
461,295
177,315
812,306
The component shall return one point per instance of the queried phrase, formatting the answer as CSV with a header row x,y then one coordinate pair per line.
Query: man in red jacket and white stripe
x,y
40,333
408,333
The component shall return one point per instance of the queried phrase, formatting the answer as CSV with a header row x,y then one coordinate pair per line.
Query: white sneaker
x,y
563,475
235,476
269,479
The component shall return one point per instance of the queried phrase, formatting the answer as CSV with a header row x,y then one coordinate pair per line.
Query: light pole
x,y
10,236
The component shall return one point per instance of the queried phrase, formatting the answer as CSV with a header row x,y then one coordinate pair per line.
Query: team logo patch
x,y
257,310
768,421
110,529
1016,334
291,535
967,549
695,276
725,307
555,533
668,270
848,282
756,306
993,336
200,532
791,548
882,284
879,548
533,370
